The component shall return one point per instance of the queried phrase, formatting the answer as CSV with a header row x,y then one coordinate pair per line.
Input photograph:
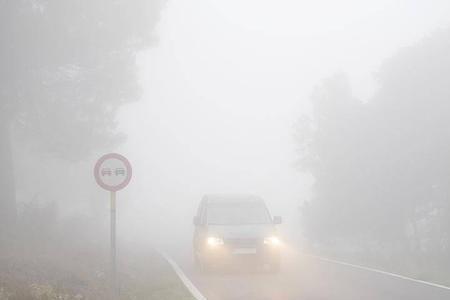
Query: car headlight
x,y
214,241
272,241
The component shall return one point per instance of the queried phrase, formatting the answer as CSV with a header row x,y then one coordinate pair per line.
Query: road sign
x,y
113,172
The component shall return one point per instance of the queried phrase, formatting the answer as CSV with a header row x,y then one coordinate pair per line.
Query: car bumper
x,y
226,255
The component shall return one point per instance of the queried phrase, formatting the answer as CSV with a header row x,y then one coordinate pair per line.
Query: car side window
x,y
199,209
203,213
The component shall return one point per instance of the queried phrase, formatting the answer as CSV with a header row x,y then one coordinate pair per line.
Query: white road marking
x,y
381,272
189,285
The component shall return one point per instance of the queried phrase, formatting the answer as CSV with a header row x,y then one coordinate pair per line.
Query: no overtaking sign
x,y
113,172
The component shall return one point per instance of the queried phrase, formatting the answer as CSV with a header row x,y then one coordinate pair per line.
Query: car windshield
x,y
237,213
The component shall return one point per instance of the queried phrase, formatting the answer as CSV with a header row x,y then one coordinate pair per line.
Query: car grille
x,y
243,243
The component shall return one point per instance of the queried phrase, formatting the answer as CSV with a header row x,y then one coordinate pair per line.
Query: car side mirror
x,y
277,220
196,221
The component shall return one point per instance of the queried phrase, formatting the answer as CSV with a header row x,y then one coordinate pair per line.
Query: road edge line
x,y
381,272
186,281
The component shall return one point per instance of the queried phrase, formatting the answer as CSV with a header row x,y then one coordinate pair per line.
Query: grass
x,y
68,261
37,275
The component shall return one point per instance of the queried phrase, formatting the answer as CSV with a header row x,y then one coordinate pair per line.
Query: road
x,y
306,277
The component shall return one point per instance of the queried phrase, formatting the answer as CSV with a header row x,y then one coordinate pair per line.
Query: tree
x,y
382,168
413,106
329,143
66,68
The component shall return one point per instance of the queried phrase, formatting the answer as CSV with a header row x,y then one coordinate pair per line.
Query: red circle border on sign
x,y
111,187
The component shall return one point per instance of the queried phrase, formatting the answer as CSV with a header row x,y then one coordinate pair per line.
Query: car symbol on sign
x,y
106,171
119,171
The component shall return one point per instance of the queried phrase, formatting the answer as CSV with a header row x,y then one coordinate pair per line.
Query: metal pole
x,y
113,247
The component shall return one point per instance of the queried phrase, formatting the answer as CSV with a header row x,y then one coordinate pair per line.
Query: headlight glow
x,y
214,241
272,241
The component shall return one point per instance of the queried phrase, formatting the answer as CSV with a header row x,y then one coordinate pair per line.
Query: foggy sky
x,y
227,80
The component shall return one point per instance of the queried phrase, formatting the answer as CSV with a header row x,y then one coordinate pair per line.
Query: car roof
x,y
222,198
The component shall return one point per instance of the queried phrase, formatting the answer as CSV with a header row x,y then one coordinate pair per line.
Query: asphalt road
x,y
305,277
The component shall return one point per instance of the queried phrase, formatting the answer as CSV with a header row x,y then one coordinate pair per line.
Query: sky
x,y
226,81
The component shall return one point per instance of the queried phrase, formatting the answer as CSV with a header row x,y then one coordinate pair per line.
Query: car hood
x,y
242,231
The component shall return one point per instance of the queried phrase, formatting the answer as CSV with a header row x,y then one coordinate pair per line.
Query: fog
x,y
332,112
220,102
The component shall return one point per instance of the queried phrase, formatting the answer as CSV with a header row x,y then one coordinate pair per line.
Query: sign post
x,y
113,172
113,245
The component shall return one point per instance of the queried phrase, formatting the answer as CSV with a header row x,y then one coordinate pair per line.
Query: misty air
x,y
224,150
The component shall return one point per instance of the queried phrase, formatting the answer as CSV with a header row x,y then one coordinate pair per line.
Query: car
x,y
106,171
235,229
119,171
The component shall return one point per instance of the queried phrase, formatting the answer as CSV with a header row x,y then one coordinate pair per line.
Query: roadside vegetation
x,y
53,259
66,70
381,195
